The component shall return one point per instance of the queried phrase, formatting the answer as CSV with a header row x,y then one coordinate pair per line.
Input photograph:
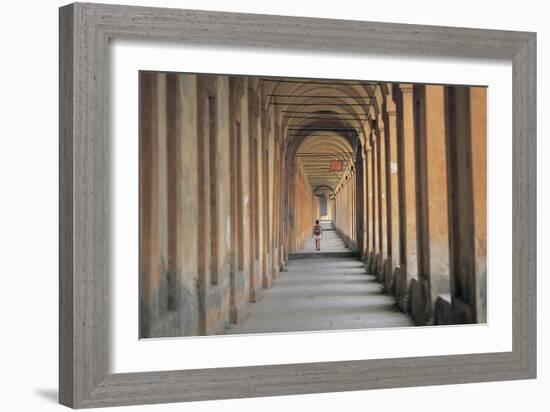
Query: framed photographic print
x,y
258,205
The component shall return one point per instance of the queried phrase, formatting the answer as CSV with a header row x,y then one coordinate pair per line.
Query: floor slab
x,y
322,294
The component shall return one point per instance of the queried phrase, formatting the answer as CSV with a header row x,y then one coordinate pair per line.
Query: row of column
x,y
345,218
305,206
211,215
440,140
417,202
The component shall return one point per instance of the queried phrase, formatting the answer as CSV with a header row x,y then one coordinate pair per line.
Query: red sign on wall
x,y
336,165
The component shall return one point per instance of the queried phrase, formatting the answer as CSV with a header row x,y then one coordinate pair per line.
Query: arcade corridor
x,y
234,171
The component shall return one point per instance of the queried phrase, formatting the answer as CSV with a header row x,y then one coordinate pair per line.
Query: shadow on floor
x,y
51,395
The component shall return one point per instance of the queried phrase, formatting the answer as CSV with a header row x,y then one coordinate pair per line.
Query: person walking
x,y
317,234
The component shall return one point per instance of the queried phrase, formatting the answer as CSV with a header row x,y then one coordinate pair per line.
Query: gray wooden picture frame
x,y
85,31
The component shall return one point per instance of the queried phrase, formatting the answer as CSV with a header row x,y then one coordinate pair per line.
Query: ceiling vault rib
x,y
321,96
324,122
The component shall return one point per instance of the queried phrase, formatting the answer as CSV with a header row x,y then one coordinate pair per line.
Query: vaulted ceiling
x,y
326,120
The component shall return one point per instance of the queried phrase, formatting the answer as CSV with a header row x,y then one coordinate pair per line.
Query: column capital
x,y
390,106
379,124
406,88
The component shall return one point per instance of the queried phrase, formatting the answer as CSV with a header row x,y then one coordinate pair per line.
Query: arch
x,y
324,188
321,123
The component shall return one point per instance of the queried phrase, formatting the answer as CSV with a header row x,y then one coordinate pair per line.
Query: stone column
x,y
466,137
407,194
173,142
253,190
393,192
238,293
368,200
432,212
374,203
381,175
351,215
186,130
149,201
264,155
282,179
277,191
355,209
478,118
360,202
162,136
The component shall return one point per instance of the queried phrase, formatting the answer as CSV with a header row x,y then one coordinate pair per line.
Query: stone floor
x,y
322,293
330,242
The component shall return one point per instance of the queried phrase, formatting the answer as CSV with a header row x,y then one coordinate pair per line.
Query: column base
x,y
401,286
462,312
389,276
380,268
237,312
443,312
421,302
266,282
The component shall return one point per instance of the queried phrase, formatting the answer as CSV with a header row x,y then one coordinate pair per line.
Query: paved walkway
x,y
322,292
330,242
